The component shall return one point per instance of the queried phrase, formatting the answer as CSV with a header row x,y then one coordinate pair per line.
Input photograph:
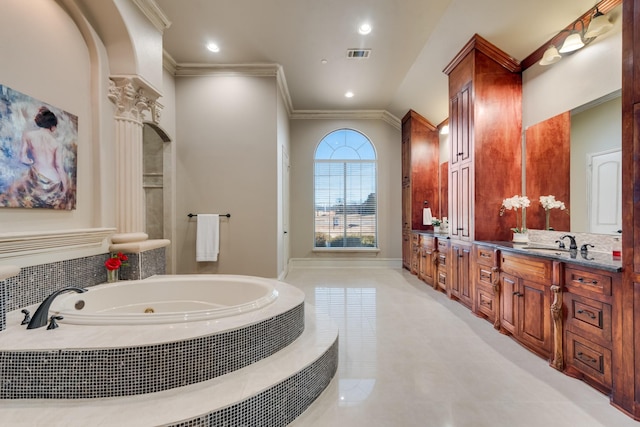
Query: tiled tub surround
x,y
75,361
35,283
270,392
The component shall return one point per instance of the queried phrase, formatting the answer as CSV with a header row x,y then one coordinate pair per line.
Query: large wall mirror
x,y
572,121
576,157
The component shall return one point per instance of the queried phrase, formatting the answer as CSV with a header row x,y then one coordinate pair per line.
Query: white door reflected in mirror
x,y
605,188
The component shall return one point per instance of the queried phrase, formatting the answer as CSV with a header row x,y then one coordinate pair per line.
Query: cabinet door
x,y
508,302
427,266
460,125
460,267
406,249
534,315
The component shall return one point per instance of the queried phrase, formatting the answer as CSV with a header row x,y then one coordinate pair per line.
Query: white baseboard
x,y
345,263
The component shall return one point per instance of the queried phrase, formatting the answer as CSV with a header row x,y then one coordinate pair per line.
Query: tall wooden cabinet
x,y
420,162
626,389
485,122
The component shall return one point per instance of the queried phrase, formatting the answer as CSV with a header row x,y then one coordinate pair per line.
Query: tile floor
x,y
409,356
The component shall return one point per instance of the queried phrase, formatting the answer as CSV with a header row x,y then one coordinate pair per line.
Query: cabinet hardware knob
x,y
460,154
460,228
587,312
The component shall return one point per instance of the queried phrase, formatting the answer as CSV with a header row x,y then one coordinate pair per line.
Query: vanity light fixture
x,y
574,40
550,56
598,24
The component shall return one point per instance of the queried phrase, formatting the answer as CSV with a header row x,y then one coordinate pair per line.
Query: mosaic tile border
x,y
278,405
35,283
112,372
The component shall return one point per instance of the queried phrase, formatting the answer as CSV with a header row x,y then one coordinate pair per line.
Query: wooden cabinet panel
x,y
535,315
460,283
508,302
586,282
525,297
415,252
589,358
589,317
406,249
420,165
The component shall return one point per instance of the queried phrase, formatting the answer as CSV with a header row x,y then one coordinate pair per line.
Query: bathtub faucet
x,y
41,315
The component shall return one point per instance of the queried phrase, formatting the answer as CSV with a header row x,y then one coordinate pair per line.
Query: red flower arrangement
x,y
116,261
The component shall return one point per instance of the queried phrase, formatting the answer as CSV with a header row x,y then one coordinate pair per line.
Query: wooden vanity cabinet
x,y
428,259
485,93
525,301
442,267
406,249
485,276
415,252
590,325
460,284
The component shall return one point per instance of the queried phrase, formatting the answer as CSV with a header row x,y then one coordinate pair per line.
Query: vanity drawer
x,y
442,260
484,255
590,316
485,301
525,267
587,281
589,358
442,279
427,242
484,275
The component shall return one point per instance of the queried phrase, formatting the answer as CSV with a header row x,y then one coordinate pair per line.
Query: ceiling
x,y
411,43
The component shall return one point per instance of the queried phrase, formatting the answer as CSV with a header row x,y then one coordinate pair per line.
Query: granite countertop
x,y
592,259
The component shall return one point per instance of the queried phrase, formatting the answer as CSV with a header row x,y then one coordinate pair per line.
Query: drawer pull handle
x,y
485,255
518,294
588,313
581,280
585,358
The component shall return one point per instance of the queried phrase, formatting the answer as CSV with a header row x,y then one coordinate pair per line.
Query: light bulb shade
x,y
598,26
550,56
571,43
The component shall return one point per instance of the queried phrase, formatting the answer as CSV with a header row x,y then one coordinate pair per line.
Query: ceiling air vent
x,y
358,53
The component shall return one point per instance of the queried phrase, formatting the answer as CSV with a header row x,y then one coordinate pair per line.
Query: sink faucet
x,y
41,315
573,244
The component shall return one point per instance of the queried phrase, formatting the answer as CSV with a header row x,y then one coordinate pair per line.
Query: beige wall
x,y
588,74
305,136
227,162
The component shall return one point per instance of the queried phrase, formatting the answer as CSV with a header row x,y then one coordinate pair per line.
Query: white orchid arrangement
x,y
514,203
549,202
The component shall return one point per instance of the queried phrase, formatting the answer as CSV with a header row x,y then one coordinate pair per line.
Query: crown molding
x,y
251,70
383,115
169,63
275,70
153,13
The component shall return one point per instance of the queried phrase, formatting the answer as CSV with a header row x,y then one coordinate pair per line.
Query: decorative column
x,y
133,97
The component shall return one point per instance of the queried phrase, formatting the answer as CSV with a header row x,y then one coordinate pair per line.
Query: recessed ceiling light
x,y
364,29
213,47
349,94
324,61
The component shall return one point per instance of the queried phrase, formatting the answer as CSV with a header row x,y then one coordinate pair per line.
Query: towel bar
x,y
191,215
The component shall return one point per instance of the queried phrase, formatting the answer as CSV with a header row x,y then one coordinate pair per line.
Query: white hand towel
x,y
426,216
207,237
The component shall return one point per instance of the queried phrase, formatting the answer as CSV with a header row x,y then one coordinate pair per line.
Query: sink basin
x,y
547,250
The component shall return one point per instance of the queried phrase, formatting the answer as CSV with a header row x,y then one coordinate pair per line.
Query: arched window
x,y
345,176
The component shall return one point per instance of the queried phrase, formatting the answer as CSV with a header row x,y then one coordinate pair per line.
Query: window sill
x,y
339,249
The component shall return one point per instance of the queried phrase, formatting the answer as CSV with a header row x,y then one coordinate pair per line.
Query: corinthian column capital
x,y
134,98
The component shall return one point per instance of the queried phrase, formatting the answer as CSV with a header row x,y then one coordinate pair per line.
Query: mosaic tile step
x,y
273,391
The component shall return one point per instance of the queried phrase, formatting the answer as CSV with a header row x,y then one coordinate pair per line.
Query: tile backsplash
x,y
35,283
600,242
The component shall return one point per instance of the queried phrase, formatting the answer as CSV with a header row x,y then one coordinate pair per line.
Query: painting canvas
x,y
38,153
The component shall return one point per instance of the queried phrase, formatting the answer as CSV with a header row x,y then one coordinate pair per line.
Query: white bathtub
x,y
166,299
